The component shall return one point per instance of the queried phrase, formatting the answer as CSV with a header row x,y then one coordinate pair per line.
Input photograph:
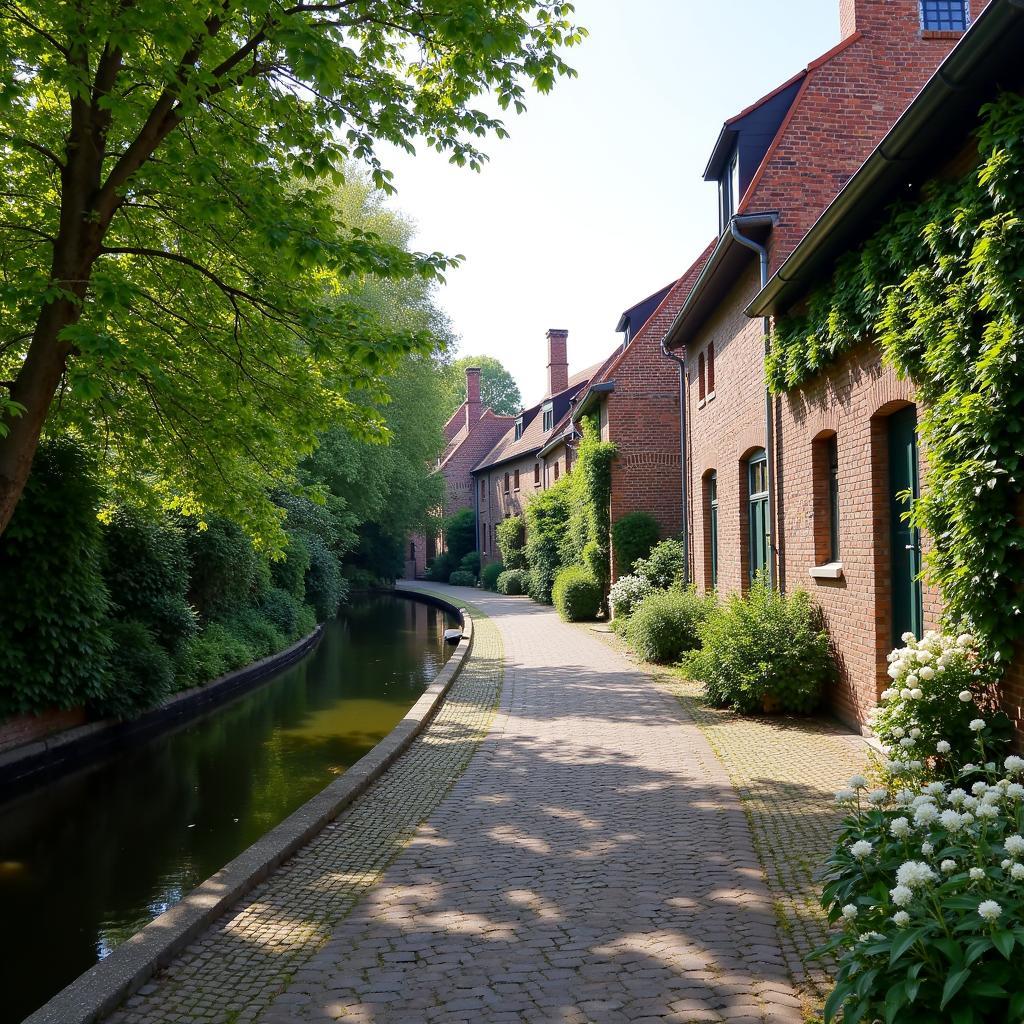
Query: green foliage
x,y
146,568
767,651
470,563
513,582
939,287
460,534
462,578
489,575
442,566
666,624
289,573
663,567
261,637
512,542
925,892
213,653
547,534
140,673
325,587
576,594
208,331
633,536
286,614
54,639
498,388
227,573
626,593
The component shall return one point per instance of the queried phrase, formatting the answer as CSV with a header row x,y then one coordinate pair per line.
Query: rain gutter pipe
x,y
681,361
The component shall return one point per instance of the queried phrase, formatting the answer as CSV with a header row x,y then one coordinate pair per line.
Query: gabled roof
x,y
637,314
477,441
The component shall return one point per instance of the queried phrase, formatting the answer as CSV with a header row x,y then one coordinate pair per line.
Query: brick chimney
x,y
558,361
473,409
902,16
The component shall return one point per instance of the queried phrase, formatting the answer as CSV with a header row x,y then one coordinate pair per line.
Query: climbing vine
x,y
940,286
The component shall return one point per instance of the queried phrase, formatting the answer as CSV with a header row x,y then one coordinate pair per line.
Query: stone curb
x,y
66,750
106,985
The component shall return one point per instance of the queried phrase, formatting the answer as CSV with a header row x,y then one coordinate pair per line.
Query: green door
x,y
758,490
907,611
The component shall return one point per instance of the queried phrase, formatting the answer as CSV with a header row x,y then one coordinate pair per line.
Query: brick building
x,y
846,438
753,468
533,452
469,434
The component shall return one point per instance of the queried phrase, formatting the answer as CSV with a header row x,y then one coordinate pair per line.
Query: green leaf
x,y
954,982
1003,941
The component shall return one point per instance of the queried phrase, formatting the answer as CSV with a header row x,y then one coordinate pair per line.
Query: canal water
x,y
87,860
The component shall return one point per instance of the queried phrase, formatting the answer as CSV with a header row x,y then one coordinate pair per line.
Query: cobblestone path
x,y
591,864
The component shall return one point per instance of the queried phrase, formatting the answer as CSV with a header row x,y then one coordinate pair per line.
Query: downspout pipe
x,y
769,424
683,469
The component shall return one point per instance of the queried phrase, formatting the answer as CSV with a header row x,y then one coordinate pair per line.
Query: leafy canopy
x,y
498,388
173,260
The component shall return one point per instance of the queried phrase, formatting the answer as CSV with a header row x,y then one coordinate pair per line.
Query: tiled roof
x,y
478,441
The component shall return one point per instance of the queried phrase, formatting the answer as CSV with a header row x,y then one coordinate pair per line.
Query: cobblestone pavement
x,y
591,864
786,771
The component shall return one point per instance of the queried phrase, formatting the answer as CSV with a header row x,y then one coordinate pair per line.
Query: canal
x,y
87,860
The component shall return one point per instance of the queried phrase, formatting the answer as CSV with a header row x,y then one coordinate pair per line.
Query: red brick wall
x,y
496,505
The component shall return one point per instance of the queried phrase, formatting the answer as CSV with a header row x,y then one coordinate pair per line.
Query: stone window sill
x,y
702,403
829,571
932,33
711,396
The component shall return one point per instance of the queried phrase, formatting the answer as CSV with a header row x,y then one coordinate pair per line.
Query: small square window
x,y
944,15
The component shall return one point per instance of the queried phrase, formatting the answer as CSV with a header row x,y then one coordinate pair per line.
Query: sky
x,y
597,199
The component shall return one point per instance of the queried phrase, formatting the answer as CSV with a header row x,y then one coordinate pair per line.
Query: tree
x,y
166,227
498,388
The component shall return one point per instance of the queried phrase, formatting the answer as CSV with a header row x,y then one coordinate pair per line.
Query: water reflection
x,y
87,860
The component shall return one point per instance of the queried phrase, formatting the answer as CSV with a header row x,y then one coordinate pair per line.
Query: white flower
x,y
901,918
845,796
948,866
965,696
1007,864
925,814
1015,790
861,849
917,765
908,637
898,731
900,828
858,782
935,789
926,673
1014,764
988,811
1014,845
977,874
877,796
922,798
911,680
1017,871
927,849
915,734
979,788
951,821
849,912
912,873
871,937
887,694
965,639
967,818
916,694
894,671
943,747
904,796
901,895
977,725
989,910
956,797
906,743
992,796
906,693
969,769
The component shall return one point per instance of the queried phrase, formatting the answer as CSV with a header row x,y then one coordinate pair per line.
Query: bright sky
x,y
597,199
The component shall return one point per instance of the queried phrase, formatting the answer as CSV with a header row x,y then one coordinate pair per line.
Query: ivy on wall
x,y
940,287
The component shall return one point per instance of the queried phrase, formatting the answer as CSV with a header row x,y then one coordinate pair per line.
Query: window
x,y
556,470
701,382
711,368
757,512
483,489
506,483
547,416
483,538
515,482
519,428
712,528
825,470
536,474
944,15
728,191
568,458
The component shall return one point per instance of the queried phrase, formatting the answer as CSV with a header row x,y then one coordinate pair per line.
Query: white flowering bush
x,y
626,593
927,885
940,685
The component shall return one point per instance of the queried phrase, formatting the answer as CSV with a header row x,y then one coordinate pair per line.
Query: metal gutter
x,y
952,92
594,392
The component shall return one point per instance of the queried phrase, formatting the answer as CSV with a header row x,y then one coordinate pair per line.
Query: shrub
x,y
633,536
146,568
257,632
513,582
576,594
765,652
489,575
289,573
666,624
460,534
939,687
928,888
214,652
356,578
140,674
663,567
461,578
226,571
284,612
441,568
626,593
471,563
547,529
512,542
54,638
325,586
